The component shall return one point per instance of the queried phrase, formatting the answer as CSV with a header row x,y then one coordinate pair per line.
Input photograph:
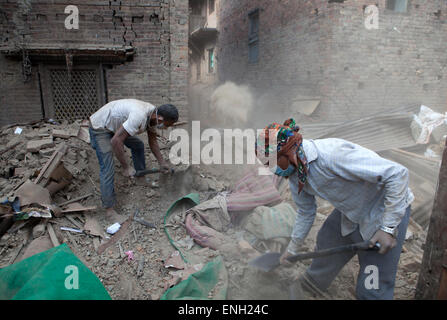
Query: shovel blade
x,y
267,262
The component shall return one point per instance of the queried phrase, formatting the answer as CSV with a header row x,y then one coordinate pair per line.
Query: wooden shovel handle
x,y
327,252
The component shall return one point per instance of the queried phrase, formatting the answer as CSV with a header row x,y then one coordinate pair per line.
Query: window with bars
x,y
74,95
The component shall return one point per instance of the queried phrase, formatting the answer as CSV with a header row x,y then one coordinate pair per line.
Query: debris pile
x,y
49,186
197,221
36,153
43,167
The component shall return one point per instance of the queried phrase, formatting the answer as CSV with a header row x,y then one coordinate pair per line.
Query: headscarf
x,y
289,144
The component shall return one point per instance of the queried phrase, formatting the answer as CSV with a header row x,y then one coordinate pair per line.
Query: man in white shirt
x,y
116,124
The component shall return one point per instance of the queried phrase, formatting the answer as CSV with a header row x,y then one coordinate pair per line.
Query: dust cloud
x,y
231,105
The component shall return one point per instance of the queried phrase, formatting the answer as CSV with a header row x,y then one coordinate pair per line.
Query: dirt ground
x,y
145,277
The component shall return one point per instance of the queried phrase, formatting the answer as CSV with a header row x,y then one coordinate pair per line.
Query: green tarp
x,y
181,205
209,283
55,274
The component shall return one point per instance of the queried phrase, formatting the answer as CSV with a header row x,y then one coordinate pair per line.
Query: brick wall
x,y
156,28
402,63
323,50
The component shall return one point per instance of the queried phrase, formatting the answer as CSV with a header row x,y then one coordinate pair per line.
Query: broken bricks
x,y
36,145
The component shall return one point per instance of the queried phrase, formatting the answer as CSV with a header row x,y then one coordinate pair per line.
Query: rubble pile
x,y
51,169
24,155
53,172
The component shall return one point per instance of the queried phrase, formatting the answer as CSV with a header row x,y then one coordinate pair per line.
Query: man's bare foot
x,y
112,216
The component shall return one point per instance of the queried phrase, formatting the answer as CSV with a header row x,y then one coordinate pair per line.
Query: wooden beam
x,y
116,237
53,236
74,200
431,280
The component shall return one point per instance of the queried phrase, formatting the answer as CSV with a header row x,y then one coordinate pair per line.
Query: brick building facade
x,y
295,53
122,49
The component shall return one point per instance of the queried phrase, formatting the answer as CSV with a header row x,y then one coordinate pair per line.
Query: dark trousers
x,y
323,270
100,141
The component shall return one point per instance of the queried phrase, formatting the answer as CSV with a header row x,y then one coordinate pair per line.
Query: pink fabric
x,y
203,235
248,193
253,191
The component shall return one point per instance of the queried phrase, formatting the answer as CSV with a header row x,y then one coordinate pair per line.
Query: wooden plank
x,y
120,233
76,224
51,165
77,207
52,234
74,200
96,243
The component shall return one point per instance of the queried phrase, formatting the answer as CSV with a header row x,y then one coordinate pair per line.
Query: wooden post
x,y
432,277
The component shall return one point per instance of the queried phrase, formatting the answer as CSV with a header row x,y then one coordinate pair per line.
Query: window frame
x,y
253,35
393,10
211,53
211,8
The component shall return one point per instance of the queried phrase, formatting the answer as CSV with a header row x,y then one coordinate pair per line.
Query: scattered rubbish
x,y
75,200
113,228
64,134
155,185
51,166
120,247
31,193
186,243
34,212
77,207
74,222
140,266
93,227
52,235
39,230
18,130
175,261
36,145
129,255
142,221
71,229
425,122
36,246
115,237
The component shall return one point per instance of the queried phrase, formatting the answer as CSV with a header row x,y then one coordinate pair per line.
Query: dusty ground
x,y
121,276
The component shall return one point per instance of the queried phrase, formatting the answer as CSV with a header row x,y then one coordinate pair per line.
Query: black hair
x,y
169,112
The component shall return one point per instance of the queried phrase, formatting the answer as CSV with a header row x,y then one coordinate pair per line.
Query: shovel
x,y
141,173
269,261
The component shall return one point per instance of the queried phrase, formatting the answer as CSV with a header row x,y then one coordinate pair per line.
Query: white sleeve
x,y
134,123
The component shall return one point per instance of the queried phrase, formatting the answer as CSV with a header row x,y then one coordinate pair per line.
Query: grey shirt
x,y
367,189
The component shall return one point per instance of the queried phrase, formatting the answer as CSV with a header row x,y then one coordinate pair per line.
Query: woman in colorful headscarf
x,y
290,152
370,195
